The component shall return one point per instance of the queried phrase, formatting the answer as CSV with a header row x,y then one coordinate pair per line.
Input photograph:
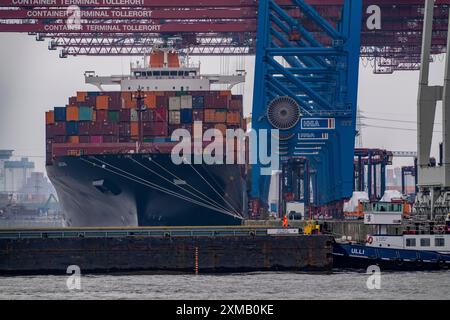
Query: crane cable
x,y
176,177
210,202
156,187
155,184
214,189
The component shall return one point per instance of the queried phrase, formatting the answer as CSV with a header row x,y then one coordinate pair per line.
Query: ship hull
x,y
147,190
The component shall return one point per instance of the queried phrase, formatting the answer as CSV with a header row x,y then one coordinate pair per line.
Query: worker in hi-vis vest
x,y
285,221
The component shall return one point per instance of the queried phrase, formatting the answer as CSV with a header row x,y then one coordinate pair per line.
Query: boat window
x,y
149,74
439,242
425,242
164,73
411,242
156,73
173,73
192,73
180,73
137,74
186,73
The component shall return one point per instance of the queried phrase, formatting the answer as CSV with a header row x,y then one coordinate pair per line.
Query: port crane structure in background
x,y
307,56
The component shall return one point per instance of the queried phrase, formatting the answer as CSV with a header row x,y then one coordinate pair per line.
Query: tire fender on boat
x,y
369,240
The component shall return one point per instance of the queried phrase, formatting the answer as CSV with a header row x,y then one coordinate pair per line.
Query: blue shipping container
x,y
72,128
198,102
186,115
93,93
60,113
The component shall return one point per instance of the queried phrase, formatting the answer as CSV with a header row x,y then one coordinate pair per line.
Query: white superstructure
x,y
166,74
384,214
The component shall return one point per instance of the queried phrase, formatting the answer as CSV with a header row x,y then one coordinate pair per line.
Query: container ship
x,y
108,153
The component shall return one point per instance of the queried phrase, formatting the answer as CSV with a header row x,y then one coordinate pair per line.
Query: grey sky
x,y
34,79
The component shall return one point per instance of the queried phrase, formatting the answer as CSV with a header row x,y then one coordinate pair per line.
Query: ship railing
x,y
144,232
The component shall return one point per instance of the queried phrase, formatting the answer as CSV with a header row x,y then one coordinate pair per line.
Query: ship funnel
x,y
161,58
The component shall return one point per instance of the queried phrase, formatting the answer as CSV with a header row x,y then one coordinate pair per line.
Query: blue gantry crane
x,y
306,83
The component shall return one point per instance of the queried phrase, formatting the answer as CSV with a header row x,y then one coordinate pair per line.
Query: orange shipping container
x,y
74,139
209,115
220,117
222,128
226,93
81,96
127,101
102,102
134,129
72,113
233,117
150,100
49,117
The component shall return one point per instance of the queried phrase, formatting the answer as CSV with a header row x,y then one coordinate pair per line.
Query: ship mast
x,y
140,107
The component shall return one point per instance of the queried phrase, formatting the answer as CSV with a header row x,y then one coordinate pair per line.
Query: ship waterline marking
x,y
262,145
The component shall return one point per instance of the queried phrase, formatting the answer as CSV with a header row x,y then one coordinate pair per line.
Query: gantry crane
x,y
307,57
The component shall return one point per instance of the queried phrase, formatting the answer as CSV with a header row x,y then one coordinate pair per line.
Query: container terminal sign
x,y
94,3
312,136
318,123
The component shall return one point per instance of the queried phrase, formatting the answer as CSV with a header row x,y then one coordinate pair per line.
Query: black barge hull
x,y
162,250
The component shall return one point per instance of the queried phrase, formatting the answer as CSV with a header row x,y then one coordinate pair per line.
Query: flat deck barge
x,y
162,249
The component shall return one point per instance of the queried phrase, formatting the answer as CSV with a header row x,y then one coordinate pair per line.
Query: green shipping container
x,y
85,113
113,116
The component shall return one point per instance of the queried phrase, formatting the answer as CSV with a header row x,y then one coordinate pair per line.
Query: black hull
x,y
147,190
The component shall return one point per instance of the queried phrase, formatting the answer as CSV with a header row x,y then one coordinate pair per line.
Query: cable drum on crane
x,y
283,113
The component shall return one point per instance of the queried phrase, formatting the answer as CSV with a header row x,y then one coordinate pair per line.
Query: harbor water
x,y
338,285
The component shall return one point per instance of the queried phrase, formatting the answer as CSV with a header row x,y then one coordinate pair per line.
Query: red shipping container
x,y
115,100
124,139
89,101
160,115
124,115
49,130
156,129
162,101
197,115
101,115
59,129
207,127
124,129
104,128
60,139
84,139
236,105
213,101
96,139
109,139
73,100
187,127
147,115
84,128
172,128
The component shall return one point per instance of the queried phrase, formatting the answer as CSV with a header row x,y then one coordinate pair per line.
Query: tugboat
x,y
413,245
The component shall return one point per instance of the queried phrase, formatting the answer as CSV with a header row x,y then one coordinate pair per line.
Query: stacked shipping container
x,y
111,117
